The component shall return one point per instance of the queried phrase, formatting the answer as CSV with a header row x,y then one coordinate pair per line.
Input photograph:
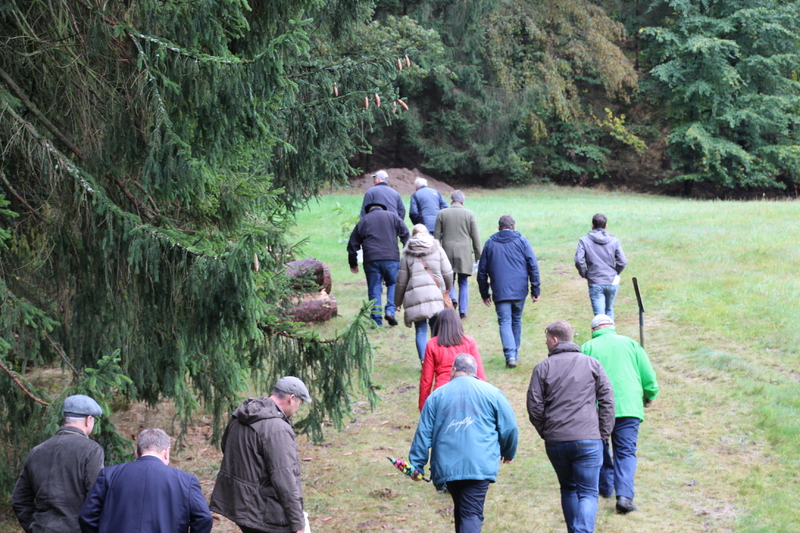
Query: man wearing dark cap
x,y
381,193
59,473
258,486
376,235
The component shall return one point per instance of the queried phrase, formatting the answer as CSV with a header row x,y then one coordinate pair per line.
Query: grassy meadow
x,y
718,450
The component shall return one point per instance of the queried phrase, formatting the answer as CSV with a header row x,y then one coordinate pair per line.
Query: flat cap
x,y
293,385
80,405
602,320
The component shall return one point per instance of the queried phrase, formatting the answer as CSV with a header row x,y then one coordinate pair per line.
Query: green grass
x,y
718,450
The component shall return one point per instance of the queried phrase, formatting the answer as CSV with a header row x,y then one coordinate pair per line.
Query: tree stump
x,y
312,269
316,307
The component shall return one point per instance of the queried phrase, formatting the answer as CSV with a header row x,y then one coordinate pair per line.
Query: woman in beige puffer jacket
x,y
419,290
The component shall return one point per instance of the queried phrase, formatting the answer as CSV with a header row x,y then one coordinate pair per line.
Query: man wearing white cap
x,y
59,473
258,486
381,193
634,382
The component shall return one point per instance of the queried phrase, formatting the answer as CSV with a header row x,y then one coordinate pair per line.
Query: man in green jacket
x,y
634,382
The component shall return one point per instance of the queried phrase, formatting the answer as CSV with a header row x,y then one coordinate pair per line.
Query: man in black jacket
x,y
382,193
376,235
571,405
59,473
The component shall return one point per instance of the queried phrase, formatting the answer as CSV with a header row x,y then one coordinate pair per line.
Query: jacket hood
x,y
420,245
563,347
506,235
255,409
604,331
601,236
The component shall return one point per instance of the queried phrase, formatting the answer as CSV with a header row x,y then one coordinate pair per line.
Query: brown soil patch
x,y
402,180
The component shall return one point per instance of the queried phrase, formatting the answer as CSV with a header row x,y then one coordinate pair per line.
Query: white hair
x,y
421,182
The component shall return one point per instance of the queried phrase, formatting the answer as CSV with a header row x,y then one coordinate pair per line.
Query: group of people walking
x,y
586,402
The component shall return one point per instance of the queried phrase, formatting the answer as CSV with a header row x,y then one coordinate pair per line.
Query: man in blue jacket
x,y
425,205
146,495
468,427
382,193
506,267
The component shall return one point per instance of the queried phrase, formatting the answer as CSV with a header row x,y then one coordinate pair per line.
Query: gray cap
x,y
602,320
382,175
293,385
81,405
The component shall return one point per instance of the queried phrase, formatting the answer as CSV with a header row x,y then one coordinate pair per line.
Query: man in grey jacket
x,y
258,485
600,259
571,405
59,472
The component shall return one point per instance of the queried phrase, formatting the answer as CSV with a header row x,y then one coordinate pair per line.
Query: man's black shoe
x,y
511,363
625,505
462,315
455,304
391,320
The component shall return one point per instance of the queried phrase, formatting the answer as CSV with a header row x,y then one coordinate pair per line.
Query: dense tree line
x,y
640,93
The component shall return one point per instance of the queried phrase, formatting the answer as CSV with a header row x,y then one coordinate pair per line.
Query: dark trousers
x,y
468,497
246,529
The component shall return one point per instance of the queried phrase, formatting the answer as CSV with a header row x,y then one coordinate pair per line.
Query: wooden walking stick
x,y
641,311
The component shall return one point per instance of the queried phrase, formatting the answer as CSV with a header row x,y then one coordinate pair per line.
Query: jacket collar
x,y
564,347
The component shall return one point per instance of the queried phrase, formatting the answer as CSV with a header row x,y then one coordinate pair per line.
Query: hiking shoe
x,y
455,304
625,505
511,363
462,315
391,320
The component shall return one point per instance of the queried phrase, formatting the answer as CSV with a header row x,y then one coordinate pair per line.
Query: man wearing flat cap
x,y
59,473
258,486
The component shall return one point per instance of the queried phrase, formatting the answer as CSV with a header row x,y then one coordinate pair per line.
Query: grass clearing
x,y
718,451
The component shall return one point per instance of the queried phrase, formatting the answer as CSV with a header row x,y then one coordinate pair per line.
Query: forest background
x,y
155,153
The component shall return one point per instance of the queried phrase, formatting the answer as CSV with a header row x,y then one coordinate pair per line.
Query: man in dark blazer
x,y
147,495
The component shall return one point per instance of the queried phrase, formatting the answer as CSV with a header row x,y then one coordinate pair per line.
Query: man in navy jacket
x,y
425,205
147,495
506,266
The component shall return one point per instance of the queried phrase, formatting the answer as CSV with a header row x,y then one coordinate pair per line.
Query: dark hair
x,y
561,330
506,222
599,221
448,328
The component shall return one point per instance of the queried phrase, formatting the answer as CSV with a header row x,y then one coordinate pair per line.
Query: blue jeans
x,y
509,318
468,498
602,297
577,465
422,334
378,272
463,292
618,469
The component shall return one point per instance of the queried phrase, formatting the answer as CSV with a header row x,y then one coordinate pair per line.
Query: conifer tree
x,y
153,155
728,74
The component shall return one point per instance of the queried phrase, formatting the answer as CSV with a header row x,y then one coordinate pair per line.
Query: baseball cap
x,y
293,385
80,405
602,320
381,174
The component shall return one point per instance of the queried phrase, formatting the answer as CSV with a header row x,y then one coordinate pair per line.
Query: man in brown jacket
x,y
457,231
258,486
571,405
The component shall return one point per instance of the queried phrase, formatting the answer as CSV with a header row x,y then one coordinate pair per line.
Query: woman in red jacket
x,y
442,350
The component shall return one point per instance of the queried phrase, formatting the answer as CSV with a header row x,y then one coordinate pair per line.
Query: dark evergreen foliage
x,y
154,153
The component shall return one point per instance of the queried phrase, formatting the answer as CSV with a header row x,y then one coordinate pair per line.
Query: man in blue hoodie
x,y
600,259
466,427
506,266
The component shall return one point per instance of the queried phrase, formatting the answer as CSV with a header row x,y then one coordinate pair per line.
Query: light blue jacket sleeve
x,y
507,429
421,445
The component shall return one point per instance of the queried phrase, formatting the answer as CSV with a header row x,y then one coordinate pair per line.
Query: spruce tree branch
x,y
19,384
18,92
60,351
273,331
21,199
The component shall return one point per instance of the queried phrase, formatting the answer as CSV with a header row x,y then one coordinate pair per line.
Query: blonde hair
x,y
419,228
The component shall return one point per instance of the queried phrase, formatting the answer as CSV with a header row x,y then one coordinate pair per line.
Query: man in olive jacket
x,y
59,472
457,231
258,486
635,386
